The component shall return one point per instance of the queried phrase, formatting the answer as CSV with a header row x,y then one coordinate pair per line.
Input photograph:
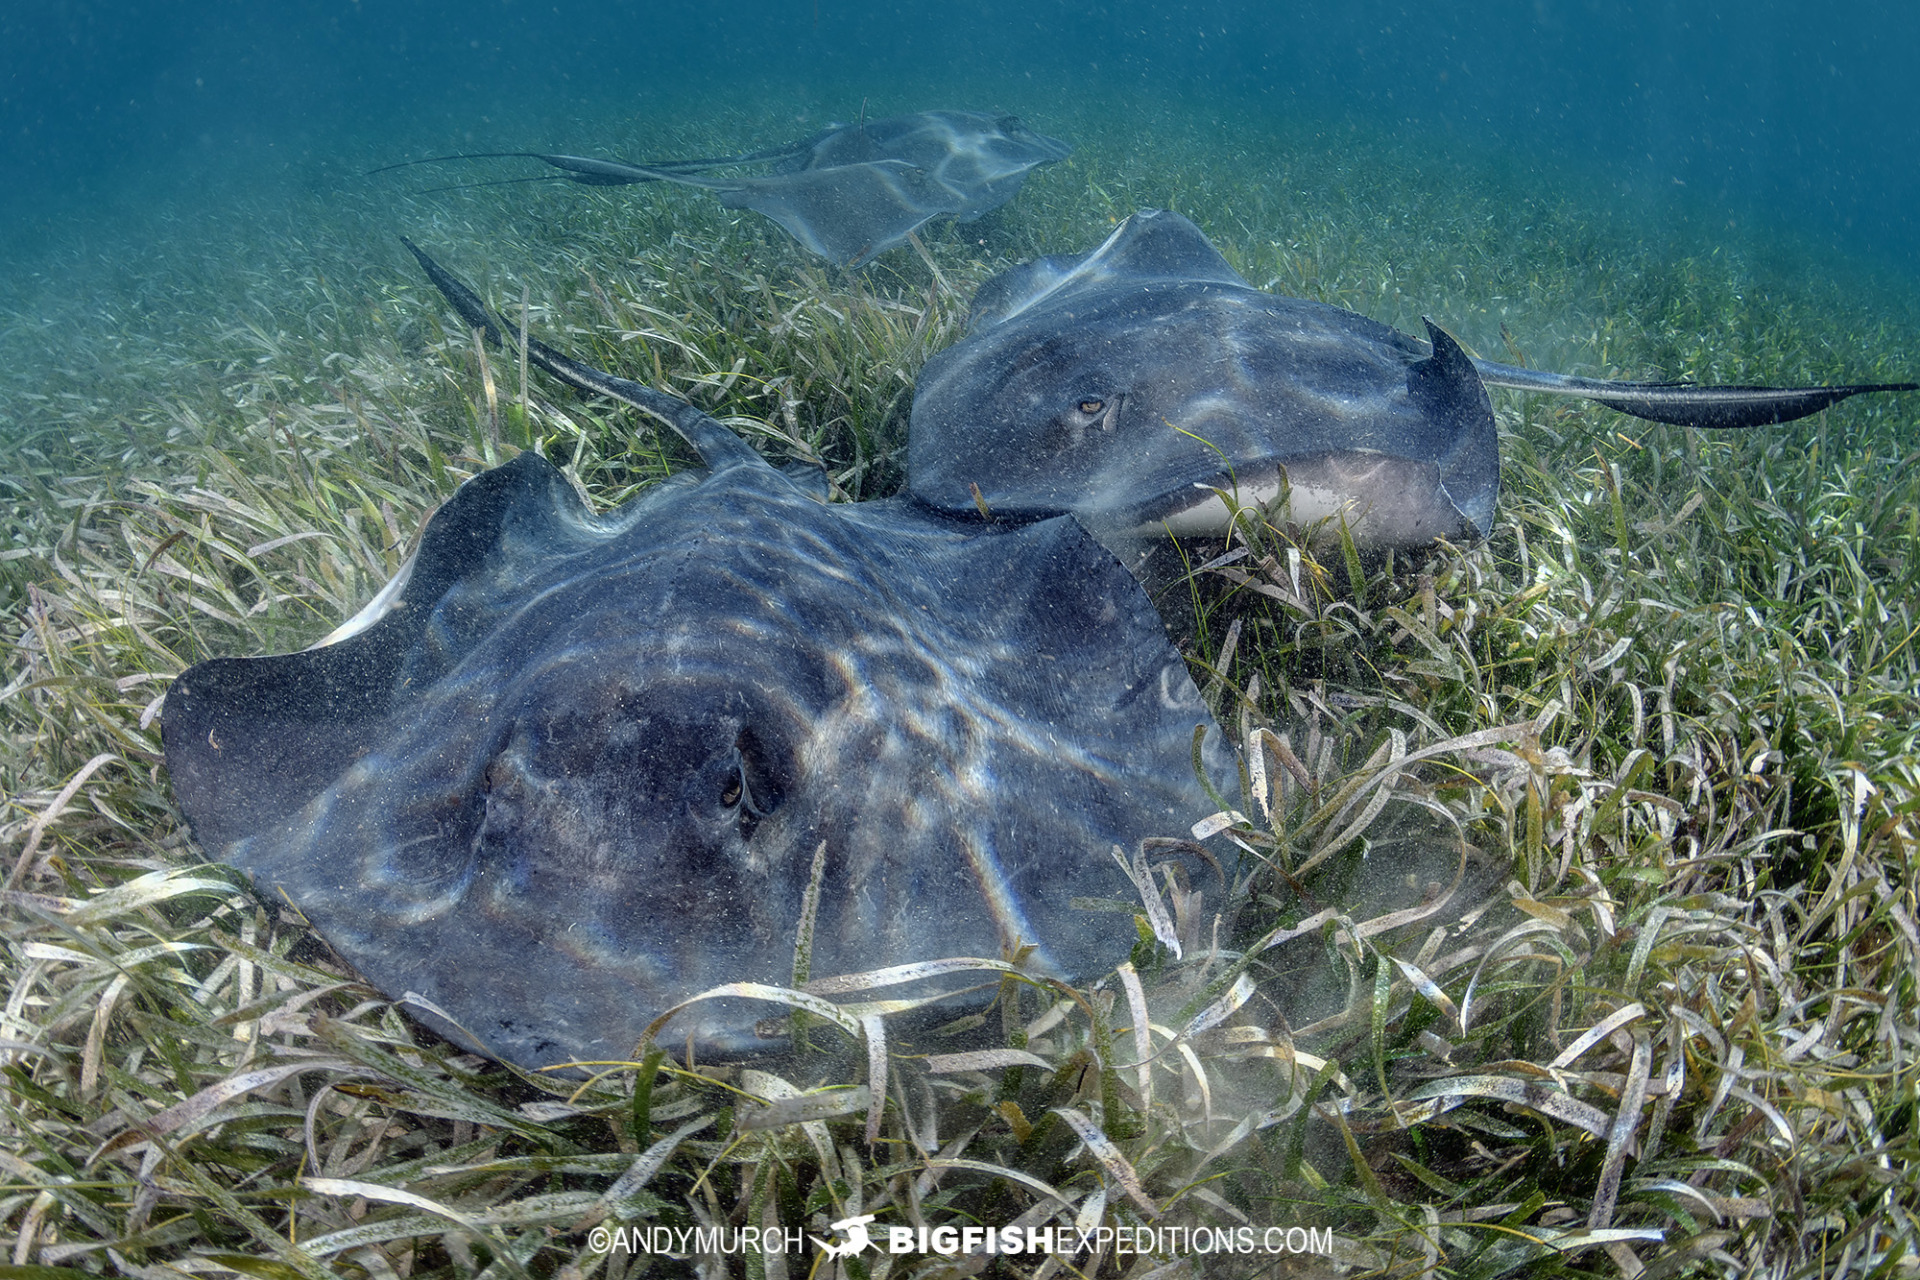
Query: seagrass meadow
x,y
1574,927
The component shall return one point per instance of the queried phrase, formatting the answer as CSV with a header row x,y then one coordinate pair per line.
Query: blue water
x,y
1791,117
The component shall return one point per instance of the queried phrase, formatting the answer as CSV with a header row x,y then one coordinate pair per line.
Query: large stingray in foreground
x,y
577,767
852,191
1128,384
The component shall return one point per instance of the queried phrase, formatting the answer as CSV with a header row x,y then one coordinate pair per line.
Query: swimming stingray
x,y
1129,384
854,190
575,768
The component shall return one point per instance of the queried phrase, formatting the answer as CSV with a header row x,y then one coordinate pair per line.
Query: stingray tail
x,y
784,152
718,447
595,172
589,170
458,155
1684,403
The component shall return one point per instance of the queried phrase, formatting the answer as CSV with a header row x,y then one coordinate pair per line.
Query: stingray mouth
x,y
1383,501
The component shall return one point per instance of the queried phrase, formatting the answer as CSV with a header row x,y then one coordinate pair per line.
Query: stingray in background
x,y
1129,384
576,767
853,191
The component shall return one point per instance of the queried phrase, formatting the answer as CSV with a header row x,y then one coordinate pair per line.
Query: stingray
x,y
854,190
574,768
1136,384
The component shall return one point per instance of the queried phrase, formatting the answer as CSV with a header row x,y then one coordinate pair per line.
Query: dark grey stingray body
x,y
577,768
852,191
1129,384
1132,384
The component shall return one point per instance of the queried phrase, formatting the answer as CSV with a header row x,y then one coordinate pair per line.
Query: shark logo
x,y
857,1238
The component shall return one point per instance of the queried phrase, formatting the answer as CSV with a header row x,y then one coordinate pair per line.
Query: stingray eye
x,y
754,790
1090,406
